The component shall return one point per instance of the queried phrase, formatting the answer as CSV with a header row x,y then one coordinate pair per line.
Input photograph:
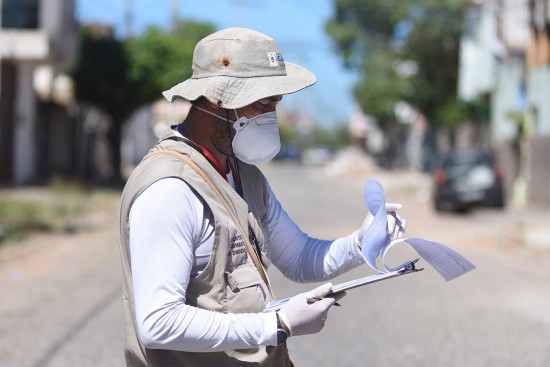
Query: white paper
x,y
446,261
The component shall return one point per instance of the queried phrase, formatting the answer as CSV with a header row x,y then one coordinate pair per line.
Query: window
x,y
20,14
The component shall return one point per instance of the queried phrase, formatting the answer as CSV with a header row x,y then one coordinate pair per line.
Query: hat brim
x,y
236,92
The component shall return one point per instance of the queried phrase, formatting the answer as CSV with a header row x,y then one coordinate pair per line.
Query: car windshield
x,y
460,164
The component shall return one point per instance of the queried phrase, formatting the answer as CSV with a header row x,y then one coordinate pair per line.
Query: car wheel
x,y
438,205
463,209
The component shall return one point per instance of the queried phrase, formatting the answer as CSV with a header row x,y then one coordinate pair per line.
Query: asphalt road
x,y
499,314
60,303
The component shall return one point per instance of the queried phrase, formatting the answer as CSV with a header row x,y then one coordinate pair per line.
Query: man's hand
x,y
302,317
396,224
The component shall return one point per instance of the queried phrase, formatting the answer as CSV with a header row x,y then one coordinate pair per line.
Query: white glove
x,y
301,317
396,224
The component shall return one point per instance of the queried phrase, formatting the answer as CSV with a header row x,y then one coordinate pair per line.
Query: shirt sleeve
x,y
166,221
303,258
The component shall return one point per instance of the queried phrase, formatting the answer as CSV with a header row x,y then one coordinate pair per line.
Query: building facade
x,y
38,44
504,59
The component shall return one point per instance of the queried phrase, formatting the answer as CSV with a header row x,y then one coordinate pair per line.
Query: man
x,y
194,281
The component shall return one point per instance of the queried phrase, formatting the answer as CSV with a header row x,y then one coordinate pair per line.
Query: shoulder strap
x,y
249,247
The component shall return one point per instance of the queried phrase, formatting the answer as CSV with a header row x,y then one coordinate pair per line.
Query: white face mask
x,y
257,139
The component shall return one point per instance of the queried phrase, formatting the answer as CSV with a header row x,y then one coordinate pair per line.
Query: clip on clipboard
x,y
407,268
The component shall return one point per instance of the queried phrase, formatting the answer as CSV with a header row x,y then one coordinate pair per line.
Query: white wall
x,y
477,59
505,98
57,20
538,90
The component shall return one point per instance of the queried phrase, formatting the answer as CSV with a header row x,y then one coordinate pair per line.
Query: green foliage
x,y
381,87
18,217
100,75
47,212
360,26
63,206
433,43
287,136
378,37
160,60
335,137
119,76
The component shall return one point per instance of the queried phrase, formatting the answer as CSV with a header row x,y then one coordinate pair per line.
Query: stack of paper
x,y
446,261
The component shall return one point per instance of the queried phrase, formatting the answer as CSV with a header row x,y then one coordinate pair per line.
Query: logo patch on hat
x,y
275,59
272,59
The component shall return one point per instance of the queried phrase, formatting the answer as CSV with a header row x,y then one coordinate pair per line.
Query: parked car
x,y
467,178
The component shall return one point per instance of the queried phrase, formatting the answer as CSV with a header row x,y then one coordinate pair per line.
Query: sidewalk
x,y
61,299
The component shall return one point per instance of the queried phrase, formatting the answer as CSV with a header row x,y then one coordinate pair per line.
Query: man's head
x,y
250,133
242,76
237,67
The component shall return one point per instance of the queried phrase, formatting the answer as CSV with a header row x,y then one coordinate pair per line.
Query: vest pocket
x,y
247,291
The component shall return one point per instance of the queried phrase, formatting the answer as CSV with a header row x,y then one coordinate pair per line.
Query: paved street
x,y
495,315
60,303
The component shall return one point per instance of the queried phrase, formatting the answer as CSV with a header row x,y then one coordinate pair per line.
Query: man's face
x,y
263,105
223,132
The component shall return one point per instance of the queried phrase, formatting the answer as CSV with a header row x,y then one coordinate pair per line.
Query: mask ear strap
x,y
213,114
237,173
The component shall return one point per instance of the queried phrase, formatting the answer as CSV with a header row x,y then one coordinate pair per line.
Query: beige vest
x,y
230,282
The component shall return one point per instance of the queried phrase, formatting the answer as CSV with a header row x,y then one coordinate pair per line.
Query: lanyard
x,y
213,161
218,166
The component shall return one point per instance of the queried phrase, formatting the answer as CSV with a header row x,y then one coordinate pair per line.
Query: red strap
x,y
212,159
218,165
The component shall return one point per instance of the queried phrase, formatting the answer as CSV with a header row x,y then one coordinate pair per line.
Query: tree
x,y
433,43
100,80
404,51
100,75
119,76
159,60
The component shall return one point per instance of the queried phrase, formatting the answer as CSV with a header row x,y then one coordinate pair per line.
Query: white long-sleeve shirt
x,y
171,237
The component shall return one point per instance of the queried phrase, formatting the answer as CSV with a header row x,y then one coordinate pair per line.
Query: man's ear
x,y
202,101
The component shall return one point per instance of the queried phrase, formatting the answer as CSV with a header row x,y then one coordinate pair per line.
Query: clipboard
x,y
407,268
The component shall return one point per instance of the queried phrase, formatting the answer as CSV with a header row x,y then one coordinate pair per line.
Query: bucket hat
x,y
235,67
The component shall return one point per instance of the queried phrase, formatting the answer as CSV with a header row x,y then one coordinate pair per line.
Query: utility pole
x,y
1,14
240,10
128,19
175,13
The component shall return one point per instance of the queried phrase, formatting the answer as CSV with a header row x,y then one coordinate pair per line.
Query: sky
x,y
296,25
